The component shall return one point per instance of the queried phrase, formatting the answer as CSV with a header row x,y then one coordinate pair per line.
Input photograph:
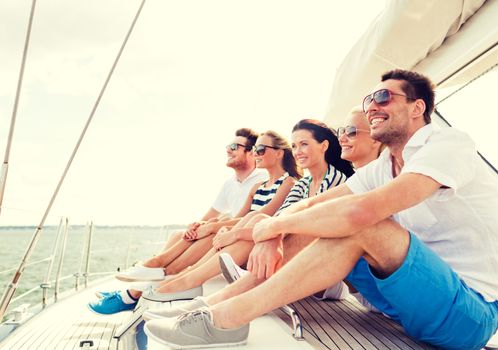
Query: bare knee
x,y
293,244
173,238
385,246
255,218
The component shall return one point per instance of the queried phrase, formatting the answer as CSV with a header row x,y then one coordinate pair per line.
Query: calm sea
x,y
111,248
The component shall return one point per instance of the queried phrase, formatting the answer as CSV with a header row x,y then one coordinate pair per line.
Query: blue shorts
x,y
429,300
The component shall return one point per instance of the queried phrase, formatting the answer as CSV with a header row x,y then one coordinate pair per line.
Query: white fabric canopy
x,y
427,36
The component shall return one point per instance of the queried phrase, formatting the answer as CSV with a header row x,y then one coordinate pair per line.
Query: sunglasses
x,y
235,146
349,131
382,97
261,149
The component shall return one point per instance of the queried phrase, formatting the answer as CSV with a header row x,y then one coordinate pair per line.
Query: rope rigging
x,y
10,290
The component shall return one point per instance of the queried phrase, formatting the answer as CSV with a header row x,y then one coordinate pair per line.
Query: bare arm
x,y
306,203
344,215
279,198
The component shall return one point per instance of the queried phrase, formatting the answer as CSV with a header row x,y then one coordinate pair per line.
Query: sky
x,y
192,73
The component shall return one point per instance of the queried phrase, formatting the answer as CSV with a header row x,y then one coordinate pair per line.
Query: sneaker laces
x,y
193,317
109,298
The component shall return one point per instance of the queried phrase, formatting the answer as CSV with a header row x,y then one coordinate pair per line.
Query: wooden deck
x,y
64,324
67,323
347,324
327,325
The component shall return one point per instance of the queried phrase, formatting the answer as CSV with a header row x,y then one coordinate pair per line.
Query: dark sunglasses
x,y
235,146
261,149
349,131
382,97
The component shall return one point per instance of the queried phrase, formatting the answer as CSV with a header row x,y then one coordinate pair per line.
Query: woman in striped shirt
x,y
314,148
273,153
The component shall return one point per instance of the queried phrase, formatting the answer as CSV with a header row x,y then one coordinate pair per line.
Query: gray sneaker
x,y
181,295
194,330
174,311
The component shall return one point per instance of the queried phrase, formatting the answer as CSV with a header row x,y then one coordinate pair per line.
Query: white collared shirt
x,y
459,223
233,194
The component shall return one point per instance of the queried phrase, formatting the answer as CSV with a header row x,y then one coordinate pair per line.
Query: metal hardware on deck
x,y
78,274
128,250
87,343
61,260
125,334
297,331
46,282
88,250
19,314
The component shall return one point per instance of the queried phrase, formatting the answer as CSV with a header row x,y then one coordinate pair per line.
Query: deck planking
x,y
346,324
327,325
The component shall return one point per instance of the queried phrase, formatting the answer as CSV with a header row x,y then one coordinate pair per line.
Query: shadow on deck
x,y
348,325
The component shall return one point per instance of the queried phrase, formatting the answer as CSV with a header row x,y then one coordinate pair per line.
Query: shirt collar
x,y
255,172
418,139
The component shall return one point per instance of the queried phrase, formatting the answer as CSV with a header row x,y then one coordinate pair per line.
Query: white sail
x,y
435,38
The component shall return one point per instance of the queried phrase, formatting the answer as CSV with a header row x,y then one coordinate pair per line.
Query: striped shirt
x,y
300,191
264,195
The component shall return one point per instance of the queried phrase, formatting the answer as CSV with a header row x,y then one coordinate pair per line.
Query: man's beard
x,y
237,164
391,137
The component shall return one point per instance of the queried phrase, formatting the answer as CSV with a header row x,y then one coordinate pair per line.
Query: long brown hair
x,y
322,132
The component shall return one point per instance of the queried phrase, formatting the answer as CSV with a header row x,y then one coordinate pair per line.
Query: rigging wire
x,y
5,165
11,288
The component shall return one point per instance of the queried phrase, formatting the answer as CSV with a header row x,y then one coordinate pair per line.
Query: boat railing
x,y
59,249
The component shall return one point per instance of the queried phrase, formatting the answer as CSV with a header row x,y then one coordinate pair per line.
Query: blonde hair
x,y
358,110
288,161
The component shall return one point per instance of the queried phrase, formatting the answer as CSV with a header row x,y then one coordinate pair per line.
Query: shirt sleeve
x,y
365,178
449,157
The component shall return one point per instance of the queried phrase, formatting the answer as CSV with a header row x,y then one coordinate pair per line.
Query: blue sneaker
x,y
110,305
102,295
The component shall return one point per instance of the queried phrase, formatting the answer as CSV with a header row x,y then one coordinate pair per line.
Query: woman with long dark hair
x,y
315,148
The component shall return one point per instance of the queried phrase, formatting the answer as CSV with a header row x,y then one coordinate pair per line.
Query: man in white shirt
x,y
416,232
183,248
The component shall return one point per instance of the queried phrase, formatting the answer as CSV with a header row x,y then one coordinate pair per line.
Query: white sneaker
x,y
181,295
366,303
338,291
141,274
230,270
493,342
143,286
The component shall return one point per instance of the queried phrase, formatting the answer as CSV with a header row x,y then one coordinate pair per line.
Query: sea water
x,y
112,248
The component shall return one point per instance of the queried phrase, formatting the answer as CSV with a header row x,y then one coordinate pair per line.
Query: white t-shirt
x,y
459,223
233,194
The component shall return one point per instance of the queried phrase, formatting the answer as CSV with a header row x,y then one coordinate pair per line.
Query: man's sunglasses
x,y
382,97
349,131
235,146
261,149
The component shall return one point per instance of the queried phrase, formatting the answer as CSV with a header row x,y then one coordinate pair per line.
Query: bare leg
x,y
240,286
173,238
293,244
169,255
194,252
195,277
248,219
190,256
324,263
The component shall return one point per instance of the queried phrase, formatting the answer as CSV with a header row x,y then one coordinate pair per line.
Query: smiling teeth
x,y
376,121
